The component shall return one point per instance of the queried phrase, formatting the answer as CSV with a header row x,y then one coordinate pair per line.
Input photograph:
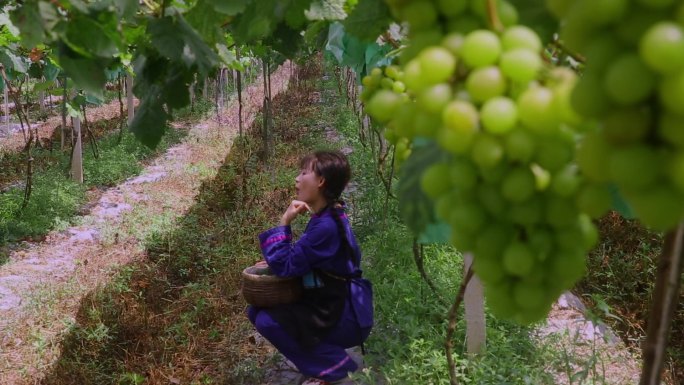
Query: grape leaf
x,y
285,40
87,73
126,8
206,21
150,120
12,61
534,14
27,18
88,38
175,39
326,10
368,20
294,16
417,210
229,7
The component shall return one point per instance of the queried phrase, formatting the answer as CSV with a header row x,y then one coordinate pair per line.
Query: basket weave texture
x,y
262,289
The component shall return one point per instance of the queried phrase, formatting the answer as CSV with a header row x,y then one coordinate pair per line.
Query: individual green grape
x,y
461,117
592,157
590,234
463,174
594,199
520,36
675,171
450,8
541,241
589,98
560,212
527,213
553,153
462,240
435,180
492,240
453,42
437,65
520,145
487,152
488,270
468,218
559,8
661,207
383,105
518,185
662,47
387,83
425,124
508,14
628,80
634,167
561,103
520,65
500,299
604,12
491,199
529,296
671,129
398,86
542,177
420,14
394,72
435,98
566,181
464,24
567,267
518,259
481,48
499,115
485,83
535,109
453,141
672,92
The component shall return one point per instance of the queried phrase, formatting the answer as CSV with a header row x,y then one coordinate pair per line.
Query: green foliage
x,y
368,20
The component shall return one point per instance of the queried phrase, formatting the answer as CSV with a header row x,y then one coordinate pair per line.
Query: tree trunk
x,y
239,92
77,157
93,142
130,104
7,115
64,112
122,118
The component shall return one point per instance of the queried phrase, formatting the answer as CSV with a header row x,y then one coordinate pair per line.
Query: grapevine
x,y
506,183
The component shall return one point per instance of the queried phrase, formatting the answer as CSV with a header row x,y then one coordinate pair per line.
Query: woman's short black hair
x,y
334,167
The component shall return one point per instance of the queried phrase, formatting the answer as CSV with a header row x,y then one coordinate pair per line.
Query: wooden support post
x,y
474,312
7,116
77,158
130,105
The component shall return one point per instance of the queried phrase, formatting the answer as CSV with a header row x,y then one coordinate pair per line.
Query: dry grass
x,y
37,339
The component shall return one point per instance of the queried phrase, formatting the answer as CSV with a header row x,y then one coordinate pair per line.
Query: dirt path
x,y
41,287
15,141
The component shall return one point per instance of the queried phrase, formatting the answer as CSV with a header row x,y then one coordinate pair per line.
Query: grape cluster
x,y
383,91
633,88
509,188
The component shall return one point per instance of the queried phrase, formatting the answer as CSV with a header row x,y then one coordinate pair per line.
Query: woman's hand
x,y
295,208
261,263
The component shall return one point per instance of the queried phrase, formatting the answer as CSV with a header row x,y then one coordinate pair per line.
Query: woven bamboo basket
x,y
263,289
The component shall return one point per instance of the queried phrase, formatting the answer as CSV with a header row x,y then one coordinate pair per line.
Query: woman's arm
x,y
319,243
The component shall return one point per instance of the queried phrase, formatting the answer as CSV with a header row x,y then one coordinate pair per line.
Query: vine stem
x,y
493,16
448,344
664,304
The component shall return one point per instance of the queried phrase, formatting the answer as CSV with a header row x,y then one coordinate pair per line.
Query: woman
x,y
336,310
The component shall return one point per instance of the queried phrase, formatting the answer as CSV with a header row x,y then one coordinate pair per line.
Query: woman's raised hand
x,y
295,208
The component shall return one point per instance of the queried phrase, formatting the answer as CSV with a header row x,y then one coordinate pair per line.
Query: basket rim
x,y
248,274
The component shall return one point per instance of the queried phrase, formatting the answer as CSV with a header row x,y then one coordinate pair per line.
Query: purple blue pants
x,y
328,360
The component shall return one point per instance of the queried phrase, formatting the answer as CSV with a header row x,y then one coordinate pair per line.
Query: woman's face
x,y
309,186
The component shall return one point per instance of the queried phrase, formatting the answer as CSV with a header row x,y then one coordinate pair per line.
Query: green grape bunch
x,y
509,187
632,88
